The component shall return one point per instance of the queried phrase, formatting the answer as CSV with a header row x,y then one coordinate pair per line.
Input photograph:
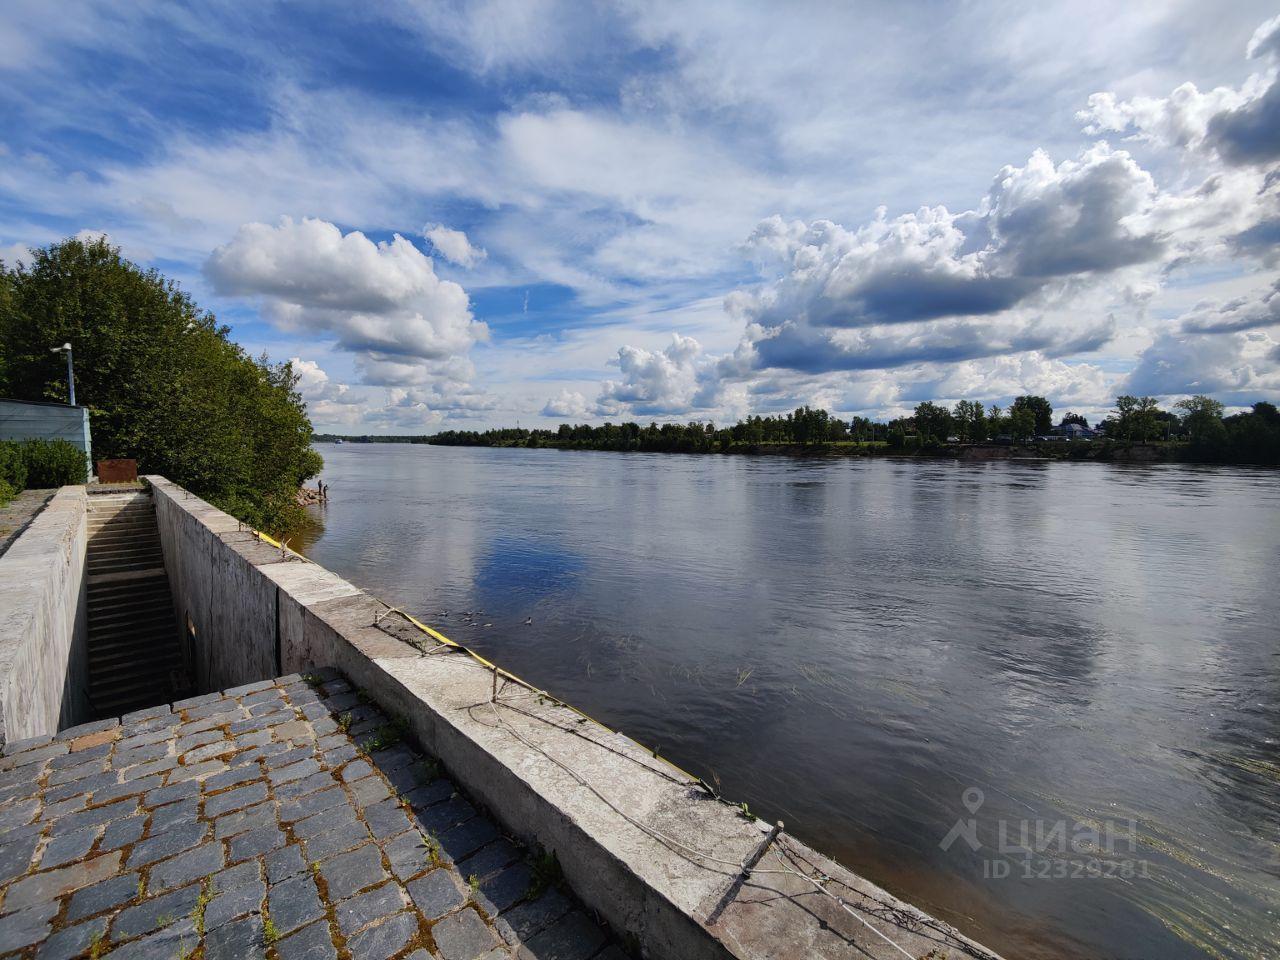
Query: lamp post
x,y
71,373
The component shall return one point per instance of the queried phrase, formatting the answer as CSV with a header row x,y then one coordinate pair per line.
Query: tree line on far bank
x,y
163,381
1198,425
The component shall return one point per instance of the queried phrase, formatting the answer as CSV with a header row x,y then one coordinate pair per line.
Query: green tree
x,y
1075,418
1041,412
1202,419
933,422
1022,422
970,421
1137,417
163,382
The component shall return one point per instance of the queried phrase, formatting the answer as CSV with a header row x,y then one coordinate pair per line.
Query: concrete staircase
x,y
134,656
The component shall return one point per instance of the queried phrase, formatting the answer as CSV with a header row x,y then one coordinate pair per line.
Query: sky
x,y
454,216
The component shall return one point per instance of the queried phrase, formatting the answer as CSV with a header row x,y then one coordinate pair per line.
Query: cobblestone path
x,y
282,819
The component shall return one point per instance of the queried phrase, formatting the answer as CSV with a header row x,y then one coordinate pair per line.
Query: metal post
x,y
71,377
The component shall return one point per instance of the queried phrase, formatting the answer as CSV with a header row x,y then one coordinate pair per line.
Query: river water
x,y
1073,667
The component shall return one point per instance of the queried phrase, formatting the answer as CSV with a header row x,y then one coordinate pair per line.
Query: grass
x,y
345,721
434,850
202,901
269,932
386,735
545,873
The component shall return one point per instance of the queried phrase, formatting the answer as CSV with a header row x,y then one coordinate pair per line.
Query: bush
x,y
7,493
13,468
53,463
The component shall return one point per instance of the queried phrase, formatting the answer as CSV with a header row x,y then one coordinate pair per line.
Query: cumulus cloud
x,y
453,245
1002,298
568,405
332,403
381,301
675,379
1233,366
934,285
1242,126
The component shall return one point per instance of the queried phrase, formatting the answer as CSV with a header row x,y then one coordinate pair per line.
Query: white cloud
x,y
568,405
675,379
1261,309
15,253
1241,126
453,245
1007,277
334,404
1236,367
380,301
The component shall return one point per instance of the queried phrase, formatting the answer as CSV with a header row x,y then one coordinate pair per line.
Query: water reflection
x,y
850,645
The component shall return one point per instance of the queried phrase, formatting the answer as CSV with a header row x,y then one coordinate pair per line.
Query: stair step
x,y
122,566
106,619
126,667
150,556
98,579
106,536
135,583
127,662
106,552
113,602
134,686
151,635
122,525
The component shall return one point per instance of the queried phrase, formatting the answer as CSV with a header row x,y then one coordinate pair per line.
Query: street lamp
x,y
71,373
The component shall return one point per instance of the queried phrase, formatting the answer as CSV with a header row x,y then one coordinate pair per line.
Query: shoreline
x,y
1096,451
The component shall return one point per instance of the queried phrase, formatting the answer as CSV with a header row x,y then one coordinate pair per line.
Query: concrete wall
x,y
640,842
225,609
25,420
44,622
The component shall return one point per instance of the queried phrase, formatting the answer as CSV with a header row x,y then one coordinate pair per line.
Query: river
x,y
1072,667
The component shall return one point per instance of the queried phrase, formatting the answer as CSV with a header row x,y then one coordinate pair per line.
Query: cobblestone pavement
x,y
281,819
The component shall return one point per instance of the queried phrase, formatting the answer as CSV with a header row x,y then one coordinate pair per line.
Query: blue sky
x,y
459,215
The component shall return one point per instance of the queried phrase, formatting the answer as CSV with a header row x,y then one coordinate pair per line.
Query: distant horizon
x,y
467,215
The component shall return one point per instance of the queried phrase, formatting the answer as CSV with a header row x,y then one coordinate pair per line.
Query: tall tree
x,y
1041,412
1136,417
163,382
1202,418
933,422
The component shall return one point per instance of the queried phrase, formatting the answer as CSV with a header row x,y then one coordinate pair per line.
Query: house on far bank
x,y
1073,431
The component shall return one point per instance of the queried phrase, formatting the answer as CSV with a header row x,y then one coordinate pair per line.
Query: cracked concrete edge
x,y
654,891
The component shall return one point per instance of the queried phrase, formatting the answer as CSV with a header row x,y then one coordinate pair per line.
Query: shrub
x,y
53,463
13,468
7,493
